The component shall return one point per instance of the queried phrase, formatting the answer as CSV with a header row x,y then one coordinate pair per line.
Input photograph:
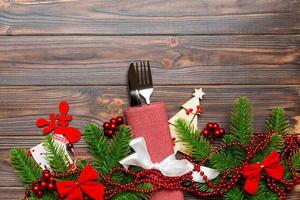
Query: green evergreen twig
x,y
26,168
56,155
193,141
278,121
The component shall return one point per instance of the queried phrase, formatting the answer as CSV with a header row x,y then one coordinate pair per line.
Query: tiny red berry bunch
x,y
46,183
112,126
213,129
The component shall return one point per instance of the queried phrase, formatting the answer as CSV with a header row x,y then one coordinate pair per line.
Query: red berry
x,y
113,127
215,125
51,186
120,120
210,125
43,184
108,132
205,132
217,133
36,188
222,131
106,125
46,174
51,179
39,193
113,121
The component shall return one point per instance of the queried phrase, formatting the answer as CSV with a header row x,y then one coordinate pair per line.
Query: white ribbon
x,y
170,166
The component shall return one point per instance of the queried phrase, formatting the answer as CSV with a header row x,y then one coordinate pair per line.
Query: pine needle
x,y
197,146
278,121
56,155
26,168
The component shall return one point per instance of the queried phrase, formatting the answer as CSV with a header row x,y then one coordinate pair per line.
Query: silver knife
x,y
133,93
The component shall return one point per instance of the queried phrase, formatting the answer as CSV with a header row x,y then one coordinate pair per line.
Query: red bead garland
x,y
257,143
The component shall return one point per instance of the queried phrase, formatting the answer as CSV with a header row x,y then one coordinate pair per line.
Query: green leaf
x,y
56,155
197,146
26,168
278,121
241,122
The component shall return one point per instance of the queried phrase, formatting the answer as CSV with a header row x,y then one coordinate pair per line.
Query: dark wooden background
x,y
79,51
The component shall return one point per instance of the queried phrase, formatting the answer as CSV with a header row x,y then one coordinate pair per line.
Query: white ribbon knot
x,y
170,166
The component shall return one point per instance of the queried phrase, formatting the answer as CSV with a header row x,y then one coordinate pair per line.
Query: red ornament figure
x,y
213,129
58,124
112,126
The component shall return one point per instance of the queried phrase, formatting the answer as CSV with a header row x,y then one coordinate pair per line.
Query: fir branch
x,y
56,155
241,122
195,143
227,159
46,196
234,193
26,168
296,161
276,143
97,144
278,121
263,192
135,195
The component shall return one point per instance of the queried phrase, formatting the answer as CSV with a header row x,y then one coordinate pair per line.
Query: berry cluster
x,y
112,126
213,129
46,183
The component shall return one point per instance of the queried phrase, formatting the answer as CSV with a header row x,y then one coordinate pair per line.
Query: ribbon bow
x,y
271,166
86,183
170,166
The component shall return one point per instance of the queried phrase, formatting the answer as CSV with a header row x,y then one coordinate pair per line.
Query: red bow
x,y
271,167
86,183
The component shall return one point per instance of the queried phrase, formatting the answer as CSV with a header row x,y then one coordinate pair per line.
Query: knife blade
x,y
133,93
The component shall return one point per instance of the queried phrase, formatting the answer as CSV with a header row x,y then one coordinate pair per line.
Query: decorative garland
x,y
250,165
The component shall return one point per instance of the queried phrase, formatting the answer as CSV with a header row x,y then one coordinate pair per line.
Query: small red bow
x,y
86,183
271,167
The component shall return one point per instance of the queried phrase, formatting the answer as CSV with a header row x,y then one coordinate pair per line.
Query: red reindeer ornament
x,y
58,124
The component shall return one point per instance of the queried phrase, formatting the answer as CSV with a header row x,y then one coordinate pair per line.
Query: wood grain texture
x,y
20,106
19,17
104,60
79,51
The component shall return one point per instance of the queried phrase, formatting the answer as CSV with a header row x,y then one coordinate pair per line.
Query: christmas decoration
x,y
59,124
86,183
190,110
249,165
213,129
112,126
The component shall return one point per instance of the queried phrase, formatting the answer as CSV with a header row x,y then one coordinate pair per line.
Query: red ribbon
x,y
271,166
86,183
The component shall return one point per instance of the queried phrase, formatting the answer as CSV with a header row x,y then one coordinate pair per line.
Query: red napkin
x,y
151,122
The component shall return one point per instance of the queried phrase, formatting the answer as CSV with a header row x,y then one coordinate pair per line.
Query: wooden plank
x,y
95,60
20,106
149,17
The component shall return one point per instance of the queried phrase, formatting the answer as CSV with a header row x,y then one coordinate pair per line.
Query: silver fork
x,y
143,72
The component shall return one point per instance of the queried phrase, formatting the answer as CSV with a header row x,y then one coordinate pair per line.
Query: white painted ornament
x,y
189,112
39,152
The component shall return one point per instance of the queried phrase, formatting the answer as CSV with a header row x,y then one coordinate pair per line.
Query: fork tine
x,y
145,73
149,73
142,74
137,72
